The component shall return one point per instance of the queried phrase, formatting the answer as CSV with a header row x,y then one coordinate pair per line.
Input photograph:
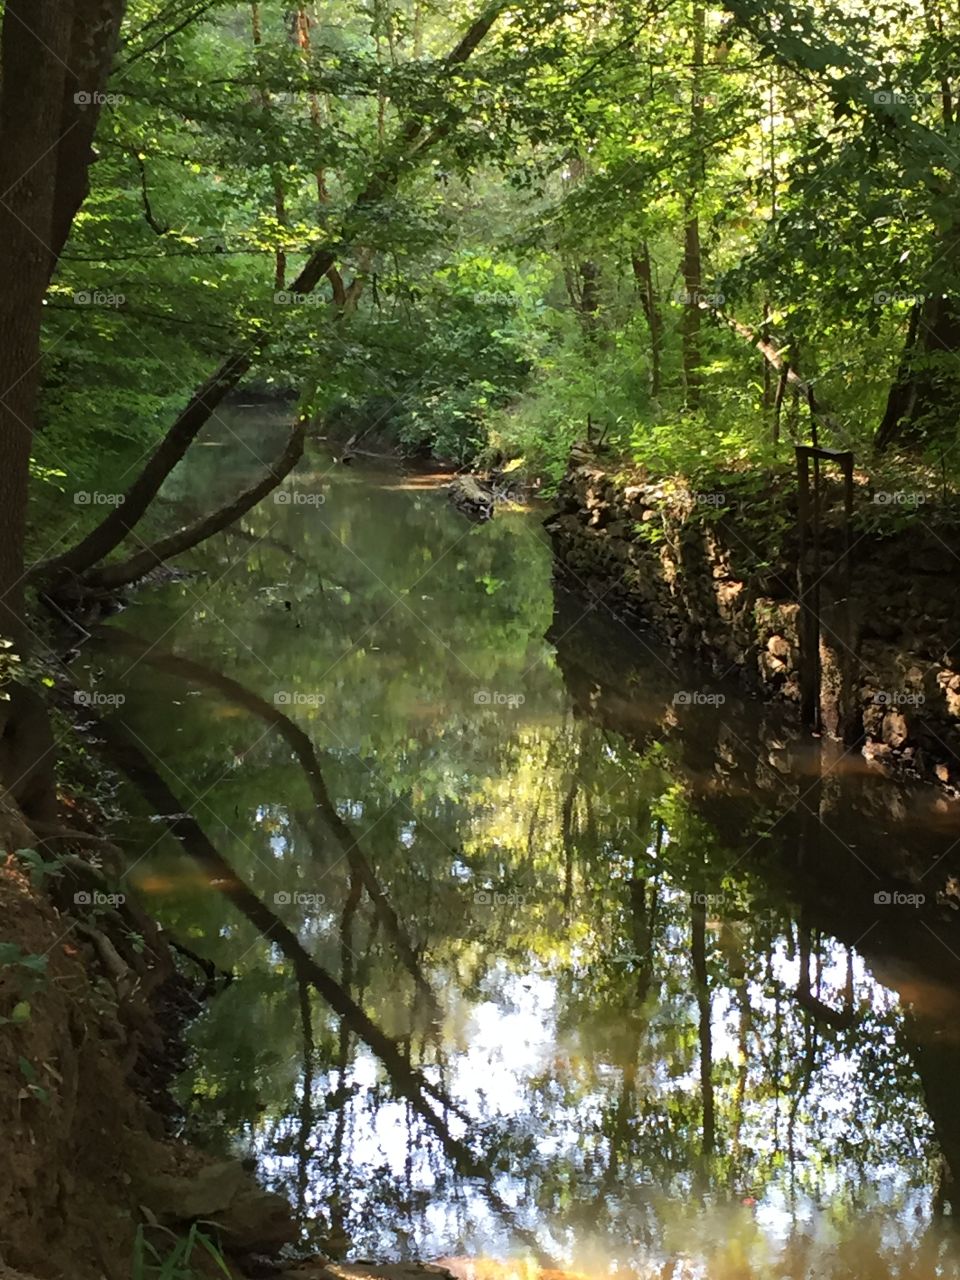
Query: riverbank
x,y
712,572
94,1000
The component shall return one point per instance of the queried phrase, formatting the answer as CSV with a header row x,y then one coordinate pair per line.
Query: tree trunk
x,y
316,110
55,56
589,296
693,288
279,193
698,930
643,274
36,39
692,261
922,402
902,391
93,44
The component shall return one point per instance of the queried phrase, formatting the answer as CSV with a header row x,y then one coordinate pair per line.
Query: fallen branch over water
x,y
412,139
113,576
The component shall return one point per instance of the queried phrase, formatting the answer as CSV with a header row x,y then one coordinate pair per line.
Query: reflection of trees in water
x,y
808,854
700,1052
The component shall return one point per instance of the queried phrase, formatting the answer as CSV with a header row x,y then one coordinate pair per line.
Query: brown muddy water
x,y
678,987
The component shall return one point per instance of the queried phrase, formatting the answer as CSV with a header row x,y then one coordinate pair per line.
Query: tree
x,y
54,61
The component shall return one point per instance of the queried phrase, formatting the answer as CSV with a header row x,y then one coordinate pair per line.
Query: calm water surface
x,y
671,1005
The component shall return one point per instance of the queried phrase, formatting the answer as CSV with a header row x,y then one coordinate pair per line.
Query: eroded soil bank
x,y
93,1003
715,574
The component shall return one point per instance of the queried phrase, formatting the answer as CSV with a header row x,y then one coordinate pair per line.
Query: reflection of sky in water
x,y
512,1038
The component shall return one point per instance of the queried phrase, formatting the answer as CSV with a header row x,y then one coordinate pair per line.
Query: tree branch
x,y
112,576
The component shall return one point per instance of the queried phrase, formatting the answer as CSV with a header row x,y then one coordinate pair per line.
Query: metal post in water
x,y
809,574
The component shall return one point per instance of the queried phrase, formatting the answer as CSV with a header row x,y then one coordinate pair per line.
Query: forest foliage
x,y
598,196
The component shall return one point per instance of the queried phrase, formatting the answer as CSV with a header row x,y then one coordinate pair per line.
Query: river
x,y
674,983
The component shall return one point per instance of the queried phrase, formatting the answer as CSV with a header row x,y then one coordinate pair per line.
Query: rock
x,y
175,1197
257,1221
770,666
252,1220
894,729
472,497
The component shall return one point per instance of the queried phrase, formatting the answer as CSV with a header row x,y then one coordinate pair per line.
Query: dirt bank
x,y
91,1009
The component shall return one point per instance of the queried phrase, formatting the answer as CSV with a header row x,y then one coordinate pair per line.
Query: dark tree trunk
x,y
693,288
692,257
276,177
643,274
922,401
54,62
698,927
36,37
96,32
589,295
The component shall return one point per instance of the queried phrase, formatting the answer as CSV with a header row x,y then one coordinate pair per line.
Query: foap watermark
x,y
95,98
887,297
98,298
297,898
688,97
298,498
896,898
898,698
297,698
711,901
493,898
698,298
492,298
284,298
494,698
96,898
710,499
97,699
86,498
697,698
899,498
899,98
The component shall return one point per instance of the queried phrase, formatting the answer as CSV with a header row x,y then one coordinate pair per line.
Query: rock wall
x,y
714,574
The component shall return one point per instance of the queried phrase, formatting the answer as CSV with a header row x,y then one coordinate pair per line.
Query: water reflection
x,y
606,983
